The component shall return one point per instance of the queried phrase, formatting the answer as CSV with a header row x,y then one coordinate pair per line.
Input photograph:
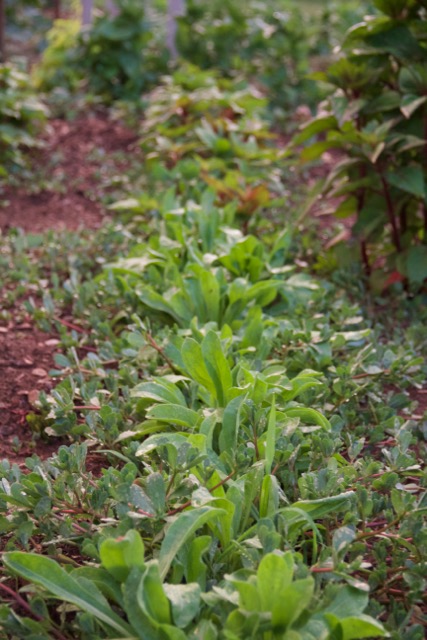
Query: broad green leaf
x,y
177,534
174,414
161,440
185,601
269,499
409,179
119,555
159,390
275,573
416,264
410,104
323,506
315,126
362,627
156,491
196,569
195,365
270,443
155,301
297,596
348,602
356,628
230,424
48,574
308,415
151,596
217,366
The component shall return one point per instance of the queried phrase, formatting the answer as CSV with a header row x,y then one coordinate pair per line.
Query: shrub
x,y
111,59
377,116
21,113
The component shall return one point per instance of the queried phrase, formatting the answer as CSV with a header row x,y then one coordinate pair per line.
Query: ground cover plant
x,y
240,443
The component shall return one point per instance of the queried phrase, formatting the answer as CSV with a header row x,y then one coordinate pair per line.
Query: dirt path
x,y
74,167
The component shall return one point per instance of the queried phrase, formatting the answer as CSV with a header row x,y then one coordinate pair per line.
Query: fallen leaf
x,y
40,373
33,396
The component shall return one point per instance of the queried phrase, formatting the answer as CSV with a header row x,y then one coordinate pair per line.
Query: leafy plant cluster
x,y
377,118
21,115
121,57
274,45
251,480
113,59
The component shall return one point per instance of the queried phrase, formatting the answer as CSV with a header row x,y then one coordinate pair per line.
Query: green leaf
x,y
323,506
308,415
356,628
119,555
155,301
348,602
152,598
195,365
315,126
275,573
410,104
177,534
217,366
362,627
185,601
48,574
159,390
174,414
416,264
230,425
269,499
270,444
409,179
297,597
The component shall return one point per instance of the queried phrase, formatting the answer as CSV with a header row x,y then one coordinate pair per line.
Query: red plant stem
x,y
24,604
188,503
365,258
70,325
390,213
159,350
85,407
425,157
56,9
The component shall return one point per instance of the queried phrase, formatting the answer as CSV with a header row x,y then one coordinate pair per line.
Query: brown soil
x,y
73,159
26,356
75,154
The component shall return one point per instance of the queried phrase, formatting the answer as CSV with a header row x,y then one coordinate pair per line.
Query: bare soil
x,y
26,356
73,158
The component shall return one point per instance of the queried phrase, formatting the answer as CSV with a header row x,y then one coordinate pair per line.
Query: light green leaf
x,y
119,555
217,366
308,415
49,574
185,601
174,414
270,444
323,506
185,525
275,573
